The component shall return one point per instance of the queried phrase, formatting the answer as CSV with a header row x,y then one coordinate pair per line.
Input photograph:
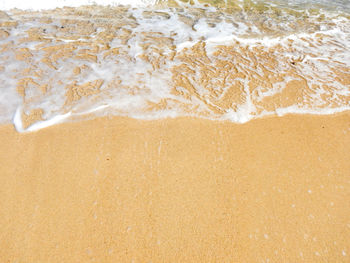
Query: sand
x,y
177,190
116,189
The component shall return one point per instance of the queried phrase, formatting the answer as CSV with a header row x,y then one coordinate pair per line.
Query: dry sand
x,y
177,190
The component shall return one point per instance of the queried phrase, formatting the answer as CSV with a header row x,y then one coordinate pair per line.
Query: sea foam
x,y
159,62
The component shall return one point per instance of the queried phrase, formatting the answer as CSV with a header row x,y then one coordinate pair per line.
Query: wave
x,y
233,64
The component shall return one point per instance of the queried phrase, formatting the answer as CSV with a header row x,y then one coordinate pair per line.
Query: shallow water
x,y
223,61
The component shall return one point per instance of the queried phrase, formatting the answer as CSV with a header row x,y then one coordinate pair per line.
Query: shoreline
x,y
91,117
116,189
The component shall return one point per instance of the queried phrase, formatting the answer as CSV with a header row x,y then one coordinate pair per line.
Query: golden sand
x,y
177,190
173,190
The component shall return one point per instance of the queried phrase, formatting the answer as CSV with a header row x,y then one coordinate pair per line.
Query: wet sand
x,y
177,190
171,62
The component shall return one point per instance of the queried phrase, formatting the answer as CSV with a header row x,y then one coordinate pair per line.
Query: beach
x,y
175,131
116,189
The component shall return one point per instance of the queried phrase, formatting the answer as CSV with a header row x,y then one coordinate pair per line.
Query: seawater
x,y
220,60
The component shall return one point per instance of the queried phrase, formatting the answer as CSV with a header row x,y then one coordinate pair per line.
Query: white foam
x,y
142,84
17,121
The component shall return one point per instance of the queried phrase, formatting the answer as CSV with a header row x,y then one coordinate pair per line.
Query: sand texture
x,y
177,190
193,188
